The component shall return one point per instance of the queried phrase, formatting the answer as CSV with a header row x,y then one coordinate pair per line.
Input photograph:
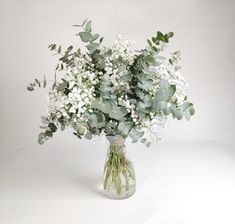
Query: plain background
x,y
204,32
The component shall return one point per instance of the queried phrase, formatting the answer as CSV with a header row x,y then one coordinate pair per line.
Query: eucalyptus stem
x,y
117,169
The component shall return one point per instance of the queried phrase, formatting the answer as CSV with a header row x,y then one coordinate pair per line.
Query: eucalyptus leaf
x,y
124,128
44,82
187,115
41,138
37,81
88,26
92,120
92,46
101,105
161,95
136,135
100,120
164,84
171,90
118,112
48,133
147,100
52,127
61,87
149,42
88,136
149,59
178,114
95,37
81,130
161,105
85,36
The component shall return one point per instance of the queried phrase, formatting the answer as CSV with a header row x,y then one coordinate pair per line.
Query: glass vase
x,y
119,175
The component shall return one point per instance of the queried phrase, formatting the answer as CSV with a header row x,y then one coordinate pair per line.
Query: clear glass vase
x,y
119,174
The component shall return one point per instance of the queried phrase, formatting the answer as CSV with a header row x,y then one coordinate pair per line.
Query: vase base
x,y
124,195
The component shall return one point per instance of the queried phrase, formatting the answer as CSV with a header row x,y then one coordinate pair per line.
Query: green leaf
x,y
48,133
166,90
155,49
44,82
161,105
52,127
37,81
70,48
188,110
146,84
53,47
124,128
88,26
186,106
170,34
164,84
161,37
149,59
178,114
101,39
85,37
161,95
44,120
61,87
102,105
92,46
136,135
171,90
30,87
92,120
192,111
121,68
118,112
100,120
59,49
95,37
41,138
143,140
81,130
147,100
88,136
149,42
187,115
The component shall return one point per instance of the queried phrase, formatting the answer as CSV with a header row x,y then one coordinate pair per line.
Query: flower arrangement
x,y
114,90
117,92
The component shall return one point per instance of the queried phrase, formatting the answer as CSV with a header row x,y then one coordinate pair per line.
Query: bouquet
x,y
114,90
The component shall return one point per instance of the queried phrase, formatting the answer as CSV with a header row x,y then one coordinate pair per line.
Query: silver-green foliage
x,y
105,114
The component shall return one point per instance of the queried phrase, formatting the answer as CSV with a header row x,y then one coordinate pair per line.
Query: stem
x,y
116,167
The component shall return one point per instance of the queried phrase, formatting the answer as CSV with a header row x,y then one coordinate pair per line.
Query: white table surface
x,y
177,183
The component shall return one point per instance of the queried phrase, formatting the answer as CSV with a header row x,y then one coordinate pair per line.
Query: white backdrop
x,y
204,32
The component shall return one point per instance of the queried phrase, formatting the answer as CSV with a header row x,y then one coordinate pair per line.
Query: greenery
x,y
114,90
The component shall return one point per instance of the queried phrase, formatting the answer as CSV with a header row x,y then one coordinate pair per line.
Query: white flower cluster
x,y
154,127
125,102
169,73
116,79
121,48
81,86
